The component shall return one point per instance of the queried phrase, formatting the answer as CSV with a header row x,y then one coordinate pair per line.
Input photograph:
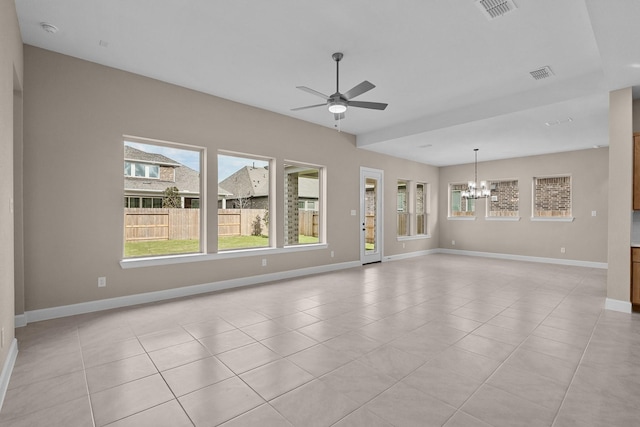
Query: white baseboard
x,y
572,262
617,305
125,301
409,255
20,320
7,368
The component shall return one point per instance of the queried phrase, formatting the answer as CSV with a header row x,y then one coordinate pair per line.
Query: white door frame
x,y
367,257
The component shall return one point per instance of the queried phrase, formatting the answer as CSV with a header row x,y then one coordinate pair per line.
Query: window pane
x,y
402,206
245,221
552,197
504,199
127,168
154,171
421,209
460,206
139,169
302,195
161,231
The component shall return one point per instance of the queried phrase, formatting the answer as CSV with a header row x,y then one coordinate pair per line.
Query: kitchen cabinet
x,y
636,171
635,275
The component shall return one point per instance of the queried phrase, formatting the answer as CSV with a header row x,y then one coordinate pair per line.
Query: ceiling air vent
x,y
493,9
541,73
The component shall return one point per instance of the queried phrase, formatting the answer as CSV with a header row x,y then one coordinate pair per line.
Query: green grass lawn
x,y
171,247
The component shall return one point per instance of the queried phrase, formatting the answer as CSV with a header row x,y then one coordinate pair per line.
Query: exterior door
x,y
371,185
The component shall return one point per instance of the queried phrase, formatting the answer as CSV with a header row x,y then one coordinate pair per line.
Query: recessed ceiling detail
x,y
541,73
493,9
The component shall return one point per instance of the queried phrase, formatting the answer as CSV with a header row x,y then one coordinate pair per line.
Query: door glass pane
x,y
370,203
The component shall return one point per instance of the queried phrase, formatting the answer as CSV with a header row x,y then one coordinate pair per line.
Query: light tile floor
x,y
440,340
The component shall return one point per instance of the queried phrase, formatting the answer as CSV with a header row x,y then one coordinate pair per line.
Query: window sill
x,y
415,237
550,219
188,258
502,218
461,218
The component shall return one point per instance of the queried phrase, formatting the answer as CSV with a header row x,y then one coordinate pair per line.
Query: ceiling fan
x,y
338,102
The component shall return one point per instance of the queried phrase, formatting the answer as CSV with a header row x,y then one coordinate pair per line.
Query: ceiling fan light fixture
x,y
338,107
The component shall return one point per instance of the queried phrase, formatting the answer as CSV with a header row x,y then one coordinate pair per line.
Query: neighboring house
x,y
249,188
148,175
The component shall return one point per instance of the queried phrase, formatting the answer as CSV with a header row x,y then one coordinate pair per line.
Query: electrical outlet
x,y
562,250
453,243
594,213
403,246
264,262
102,282
332,254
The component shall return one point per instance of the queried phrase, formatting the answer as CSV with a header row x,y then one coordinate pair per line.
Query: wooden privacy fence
x,y
184,224
161,224
239,222
370,228
308,223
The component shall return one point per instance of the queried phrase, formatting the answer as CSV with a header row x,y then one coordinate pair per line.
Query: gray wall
x,y
76,114
11,67
584,239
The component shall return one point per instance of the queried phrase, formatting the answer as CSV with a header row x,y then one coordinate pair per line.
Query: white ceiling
x,y
453,79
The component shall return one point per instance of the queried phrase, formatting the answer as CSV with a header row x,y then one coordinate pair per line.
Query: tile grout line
x,y
485,382
86,381
564,398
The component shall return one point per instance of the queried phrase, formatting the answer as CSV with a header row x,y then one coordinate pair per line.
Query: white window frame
x,y
488,217
271,204
320,204
450,205
167,259
406,211
425,208
568,218
147,168
411,210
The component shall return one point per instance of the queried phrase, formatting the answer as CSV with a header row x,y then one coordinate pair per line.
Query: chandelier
x,y
474,191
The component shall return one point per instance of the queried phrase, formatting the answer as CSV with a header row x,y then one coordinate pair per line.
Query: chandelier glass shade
x,y
475,189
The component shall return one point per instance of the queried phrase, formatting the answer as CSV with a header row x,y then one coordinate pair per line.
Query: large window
x,y
402,208
158,178
552,197
504,199
303,220
460,206
243,220
421,209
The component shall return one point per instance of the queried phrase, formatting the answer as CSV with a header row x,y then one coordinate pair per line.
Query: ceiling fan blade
x,y
313,92
339,116
308,106
357,90
372,105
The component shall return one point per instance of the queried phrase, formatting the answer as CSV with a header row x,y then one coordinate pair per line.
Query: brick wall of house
x,y
167,173
552,196
292,219
508,196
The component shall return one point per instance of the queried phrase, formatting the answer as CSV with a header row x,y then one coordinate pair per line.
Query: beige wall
x,y
620,193
10,81
584,239
76,114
